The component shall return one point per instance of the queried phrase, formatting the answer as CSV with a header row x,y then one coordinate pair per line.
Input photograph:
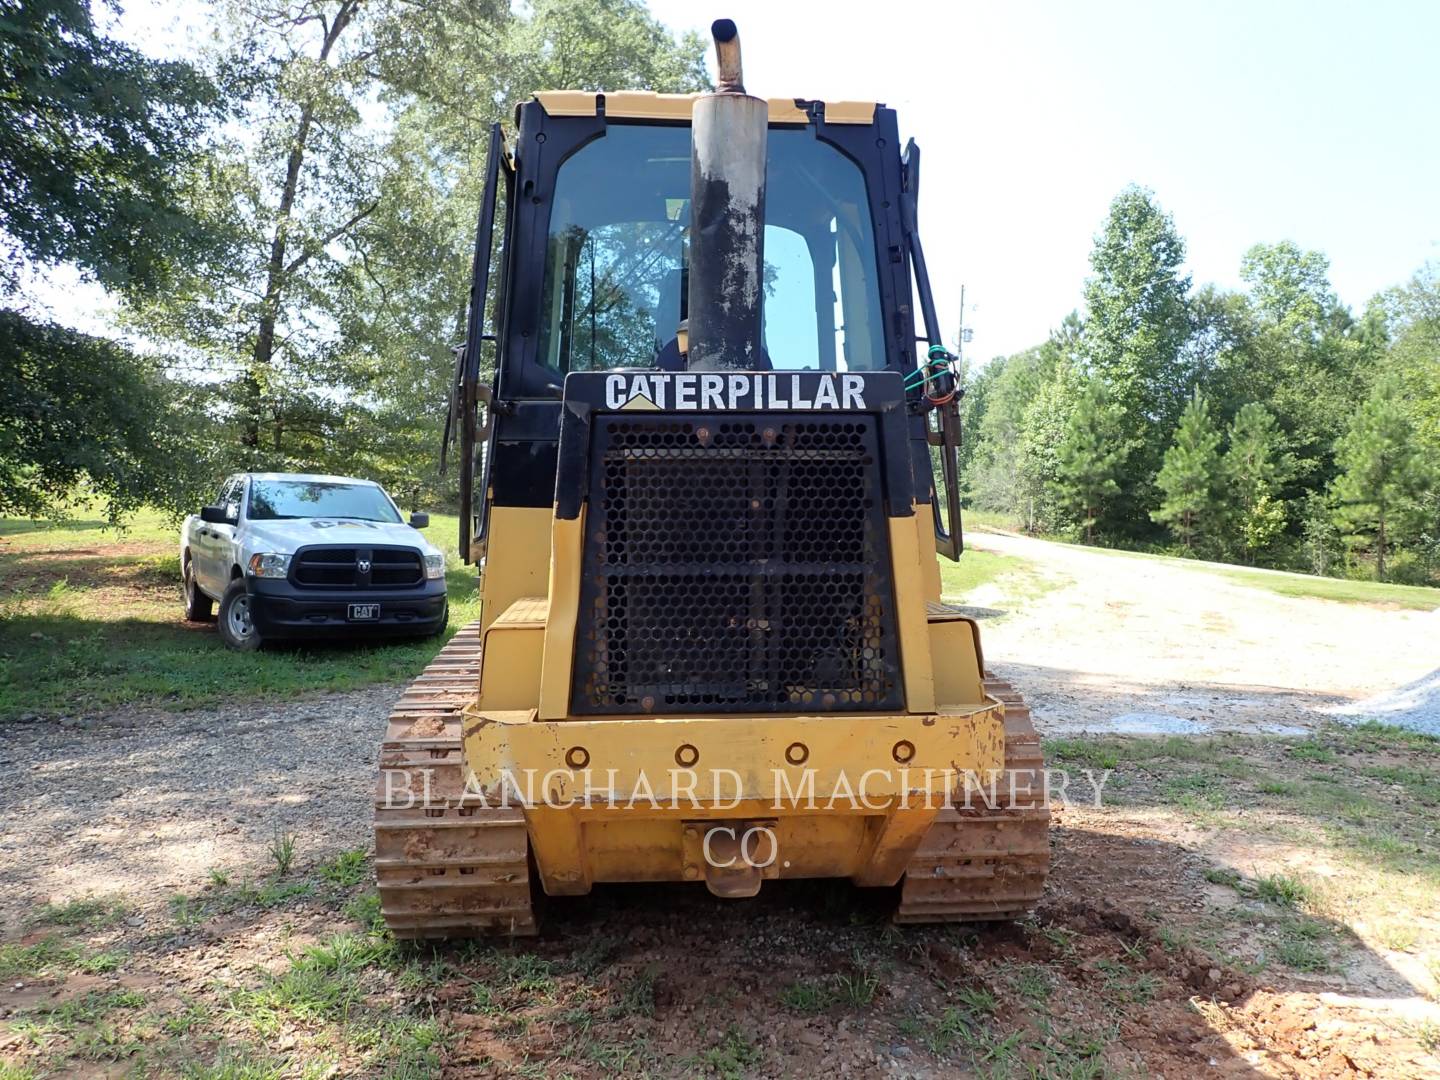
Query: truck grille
x,y
735,564
341,568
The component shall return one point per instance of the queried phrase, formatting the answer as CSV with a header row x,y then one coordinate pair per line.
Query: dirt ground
x,y
1242,905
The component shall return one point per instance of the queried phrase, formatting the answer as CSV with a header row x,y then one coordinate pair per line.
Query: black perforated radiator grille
x,y
735,564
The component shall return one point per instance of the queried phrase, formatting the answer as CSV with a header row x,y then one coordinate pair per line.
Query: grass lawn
x,y
1417,597
91,618
1337,827
974,569
1017,581
1286,583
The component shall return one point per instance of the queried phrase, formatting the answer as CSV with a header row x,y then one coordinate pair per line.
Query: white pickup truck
x,y
289,555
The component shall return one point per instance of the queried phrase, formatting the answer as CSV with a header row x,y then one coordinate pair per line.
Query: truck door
x,y
213,543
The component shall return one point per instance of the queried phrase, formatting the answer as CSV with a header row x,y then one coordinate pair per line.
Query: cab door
x,y
469,397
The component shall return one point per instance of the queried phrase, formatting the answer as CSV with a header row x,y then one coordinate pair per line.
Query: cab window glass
x,y
615,276
230,497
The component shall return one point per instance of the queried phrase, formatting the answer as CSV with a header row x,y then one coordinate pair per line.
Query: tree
x,y
1292,345
80,410
1414,314
411,304
1322,542
291,184
1290,287
1137,325
1384,476
1014,412
996,476
91,135
1042,428
353,189
1190,474
1091,457
1254,467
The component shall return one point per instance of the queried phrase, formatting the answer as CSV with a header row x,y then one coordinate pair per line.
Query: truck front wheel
x,y
237,627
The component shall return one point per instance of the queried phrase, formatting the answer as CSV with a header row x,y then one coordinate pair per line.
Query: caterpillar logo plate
x,y
713,391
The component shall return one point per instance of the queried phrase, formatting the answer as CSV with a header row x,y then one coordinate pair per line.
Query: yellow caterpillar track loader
x,y
707,490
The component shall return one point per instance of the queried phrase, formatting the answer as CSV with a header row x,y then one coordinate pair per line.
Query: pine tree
x,y
1091,457
1189,476
1383,476
1254,467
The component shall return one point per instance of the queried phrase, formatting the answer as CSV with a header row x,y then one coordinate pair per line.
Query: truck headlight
x,y
434,566
269,564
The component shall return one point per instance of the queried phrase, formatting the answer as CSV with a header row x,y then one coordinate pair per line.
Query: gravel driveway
x,y
1151,645
143,802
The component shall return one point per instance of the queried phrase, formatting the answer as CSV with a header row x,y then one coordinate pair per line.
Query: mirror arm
x,y
948,540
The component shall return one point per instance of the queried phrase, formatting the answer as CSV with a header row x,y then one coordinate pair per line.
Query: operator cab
x,y
594,203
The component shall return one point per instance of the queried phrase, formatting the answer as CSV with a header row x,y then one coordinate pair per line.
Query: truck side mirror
x,y
419,520
214,515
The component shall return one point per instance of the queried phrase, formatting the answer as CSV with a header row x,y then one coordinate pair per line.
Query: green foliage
x,y
1016,409
1290,287
1284,890
1254,469
91,135
80,410
1138,321
1091,457
102,647
1261,525
1321,538
88,911
807,996
1378,495
282,850
353,193
1414,314
733,1057
1190,476
1280,366
346,869
37,958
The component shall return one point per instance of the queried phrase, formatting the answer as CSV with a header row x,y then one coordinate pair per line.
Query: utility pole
x,y
962,335
960,332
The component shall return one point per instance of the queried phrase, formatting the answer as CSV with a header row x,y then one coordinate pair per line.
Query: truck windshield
x,y
615,271
271,500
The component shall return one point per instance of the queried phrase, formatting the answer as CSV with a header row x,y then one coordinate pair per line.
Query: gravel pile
x,y
1415,706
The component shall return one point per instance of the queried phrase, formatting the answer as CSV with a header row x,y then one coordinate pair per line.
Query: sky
x,y
1251,121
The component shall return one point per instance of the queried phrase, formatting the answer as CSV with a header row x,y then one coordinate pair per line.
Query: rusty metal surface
x,y
445,867
727,57
983,864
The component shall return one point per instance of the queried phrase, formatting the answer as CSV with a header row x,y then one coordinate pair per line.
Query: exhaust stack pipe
x,y
727,217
